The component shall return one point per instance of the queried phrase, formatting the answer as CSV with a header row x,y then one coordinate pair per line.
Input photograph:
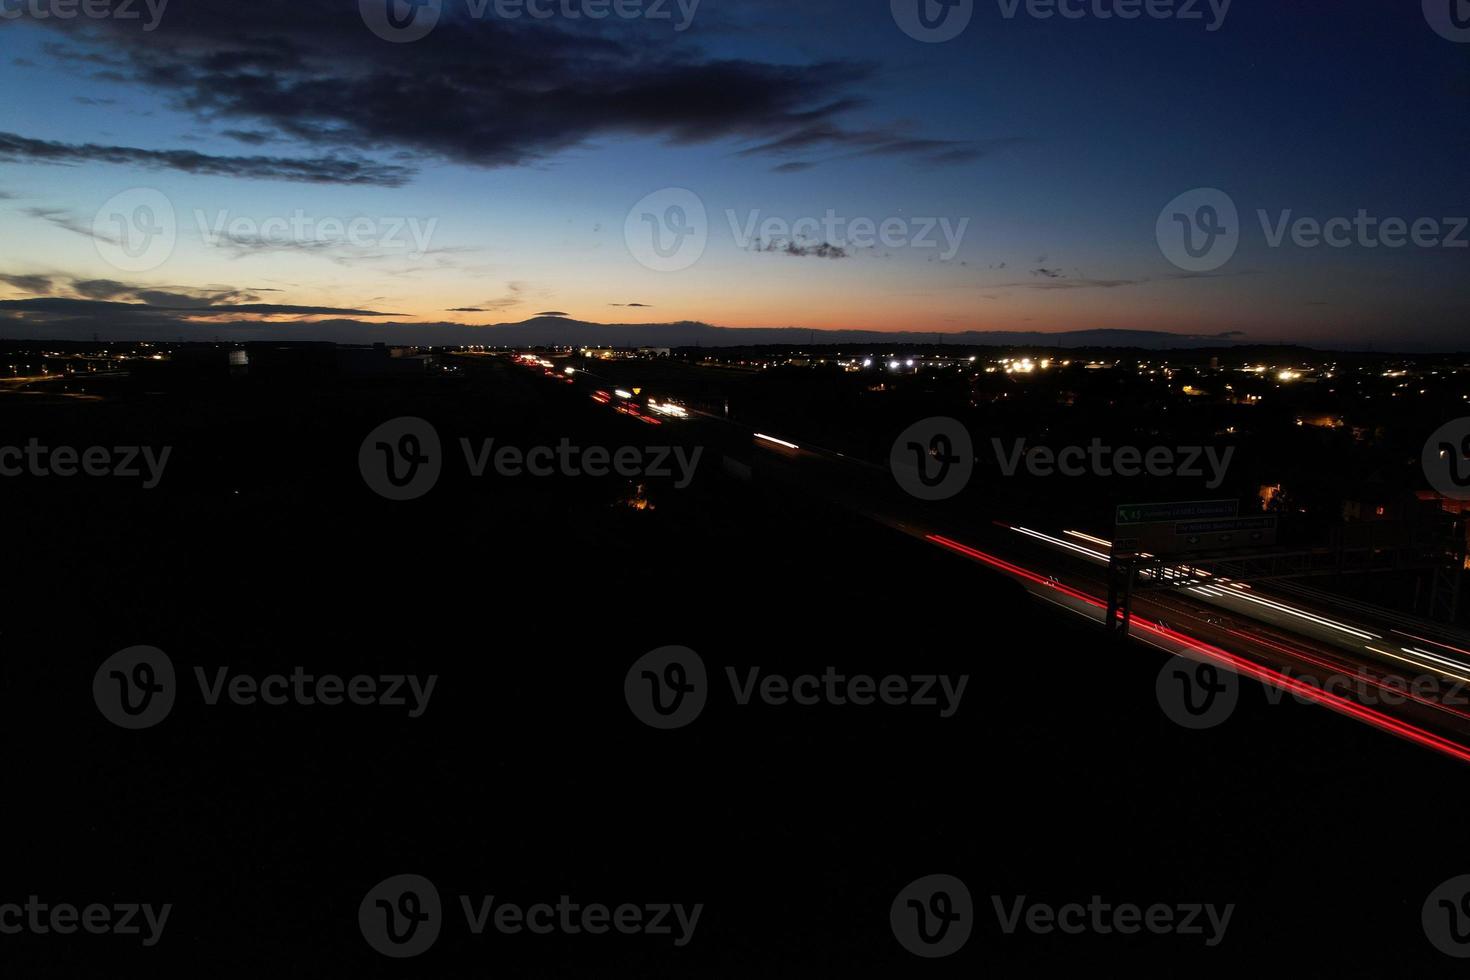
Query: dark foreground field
x,y
528,777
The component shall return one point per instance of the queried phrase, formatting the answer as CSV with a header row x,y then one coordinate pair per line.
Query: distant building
x,y
379,362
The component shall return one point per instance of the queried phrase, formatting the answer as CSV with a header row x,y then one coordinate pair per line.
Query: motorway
x,y
1406,677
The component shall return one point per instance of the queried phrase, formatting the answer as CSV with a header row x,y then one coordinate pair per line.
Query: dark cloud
x,y
1047,273
101,288
28,284
553,313
319,170
631,305
465,309
794,166
109,297
95,308
821,250
488,92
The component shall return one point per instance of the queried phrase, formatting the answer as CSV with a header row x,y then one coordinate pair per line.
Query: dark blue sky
x,y
1029,171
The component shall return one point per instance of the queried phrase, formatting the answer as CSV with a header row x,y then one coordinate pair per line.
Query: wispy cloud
x,y
319,170
795,249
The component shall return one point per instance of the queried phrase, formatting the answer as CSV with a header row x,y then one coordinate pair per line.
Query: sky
x,y
892,165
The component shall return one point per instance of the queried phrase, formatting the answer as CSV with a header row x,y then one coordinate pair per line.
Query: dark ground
x,y
528,777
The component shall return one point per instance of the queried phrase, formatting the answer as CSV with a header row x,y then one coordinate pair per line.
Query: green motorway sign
x,y
1169,513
